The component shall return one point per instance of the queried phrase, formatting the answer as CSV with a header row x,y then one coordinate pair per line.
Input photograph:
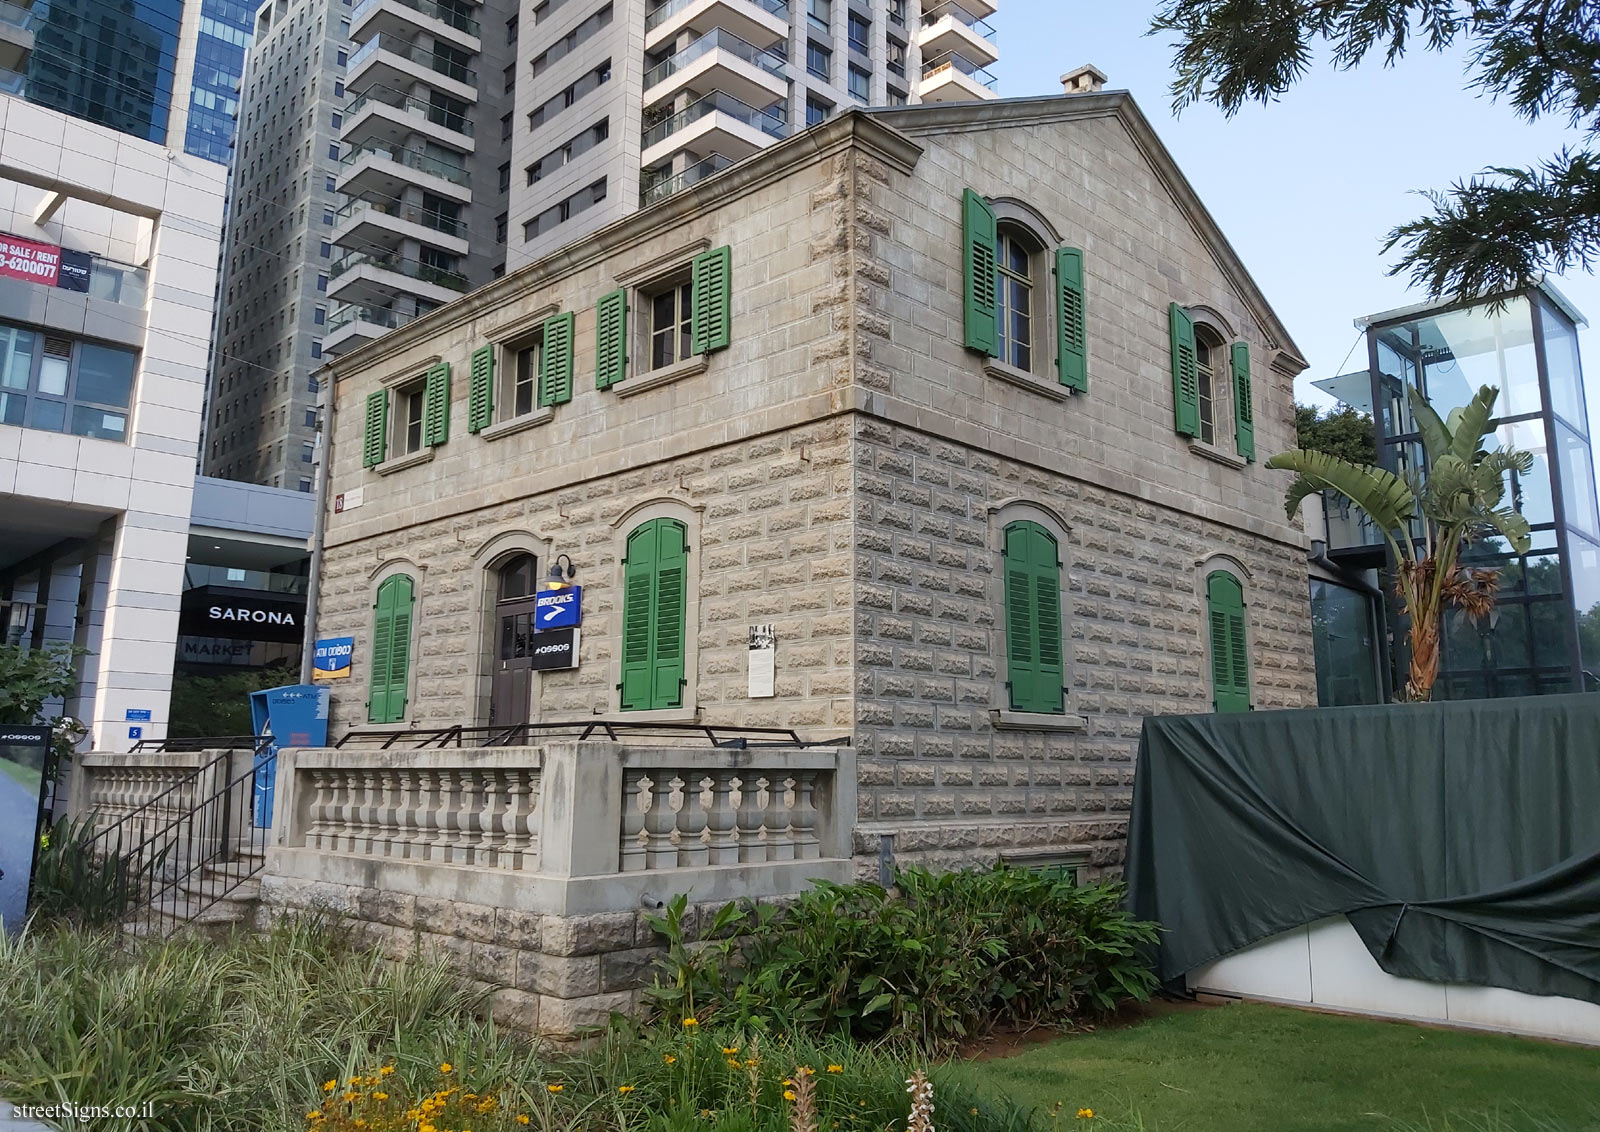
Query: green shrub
x,y
248,1035
79,882
947,957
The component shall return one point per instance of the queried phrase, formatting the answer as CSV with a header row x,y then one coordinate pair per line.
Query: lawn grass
x,y
1248,1067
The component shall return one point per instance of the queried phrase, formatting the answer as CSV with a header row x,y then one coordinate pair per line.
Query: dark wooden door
x,y
513,680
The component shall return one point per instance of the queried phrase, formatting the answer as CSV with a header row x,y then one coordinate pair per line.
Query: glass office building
x,y
107,61
218,67
1544,633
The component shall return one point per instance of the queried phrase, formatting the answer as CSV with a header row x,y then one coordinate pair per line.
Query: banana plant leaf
x,y
1385,497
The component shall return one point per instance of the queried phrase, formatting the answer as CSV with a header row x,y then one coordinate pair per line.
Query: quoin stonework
x,y
968,403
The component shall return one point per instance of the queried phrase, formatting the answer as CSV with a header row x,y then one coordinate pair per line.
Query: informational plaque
x,y
763,661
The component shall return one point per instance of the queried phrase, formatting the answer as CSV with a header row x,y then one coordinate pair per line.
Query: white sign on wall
x,y
763,660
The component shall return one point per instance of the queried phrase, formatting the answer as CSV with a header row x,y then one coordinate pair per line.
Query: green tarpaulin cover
x,y
1462,840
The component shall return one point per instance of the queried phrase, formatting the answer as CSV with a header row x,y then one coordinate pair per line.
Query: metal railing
x,y
175,856
955,61
411,159
415,107
717,39
652,191
410,213
411,268
376,316
177,744
961,16
458,20
774,120
447,67
523,734
660,14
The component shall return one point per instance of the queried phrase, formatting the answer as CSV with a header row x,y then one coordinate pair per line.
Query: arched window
x,y
1211,360
1015,265
1230,652
1035,672
654,615
391,649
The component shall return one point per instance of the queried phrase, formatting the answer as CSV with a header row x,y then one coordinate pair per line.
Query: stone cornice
x,y
853,130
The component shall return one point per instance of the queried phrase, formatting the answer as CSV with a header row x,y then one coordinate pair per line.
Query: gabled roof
x,y
930,119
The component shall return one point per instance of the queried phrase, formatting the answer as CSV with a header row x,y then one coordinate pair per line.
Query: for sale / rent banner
x,y
25,259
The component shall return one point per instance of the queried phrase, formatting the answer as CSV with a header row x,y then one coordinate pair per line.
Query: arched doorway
x,y
512,689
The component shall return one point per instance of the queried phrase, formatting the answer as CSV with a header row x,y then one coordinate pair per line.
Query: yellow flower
x,y
555,1088
360,1123
691,1021
380,1096
807,1071
668,1058
446,1067
349,1097
426,1128
330,1086
730,1050
973,1110
354,1081
385,1071
788,1094
313,1114
1086,1114
522,1118
624,1089
835,1069
733,1063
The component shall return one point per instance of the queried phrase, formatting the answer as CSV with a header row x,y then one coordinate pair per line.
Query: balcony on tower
x,y
387,223
954,28
713,123
391,117
447,21
375,170
397,62
720,60
954,78
355,325
16,45
764,23
373,278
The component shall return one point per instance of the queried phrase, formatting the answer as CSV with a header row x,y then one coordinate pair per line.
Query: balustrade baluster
x,y
803,819
519,807
467,820
637,798
780,837
444,837
349,802
694,825
407,813
494,837
722,839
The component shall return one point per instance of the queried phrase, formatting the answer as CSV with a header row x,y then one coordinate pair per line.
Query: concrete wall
x,y
1326,965
169,213
845,469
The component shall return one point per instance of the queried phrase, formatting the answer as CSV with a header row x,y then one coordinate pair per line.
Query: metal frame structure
x,y
1551,536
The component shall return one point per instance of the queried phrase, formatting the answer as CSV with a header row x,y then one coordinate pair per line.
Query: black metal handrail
x,y
180,869
182,745
506,735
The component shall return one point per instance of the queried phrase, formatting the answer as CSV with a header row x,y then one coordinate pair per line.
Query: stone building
x,y
962,400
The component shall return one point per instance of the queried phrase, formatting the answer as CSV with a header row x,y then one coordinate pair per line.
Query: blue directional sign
x,y
558,609
137,715
331,658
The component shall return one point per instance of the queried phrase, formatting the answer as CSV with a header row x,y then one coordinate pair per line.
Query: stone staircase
x,y
213,901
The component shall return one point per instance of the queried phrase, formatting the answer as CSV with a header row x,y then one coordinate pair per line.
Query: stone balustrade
x,y
566,827
682,817
108,787
452,812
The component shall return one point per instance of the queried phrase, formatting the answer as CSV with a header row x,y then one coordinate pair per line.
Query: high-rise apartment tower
x,y
475,138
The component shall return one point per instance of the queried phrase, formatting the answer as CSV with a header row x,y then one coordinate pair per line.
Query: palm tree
x,y
1428,520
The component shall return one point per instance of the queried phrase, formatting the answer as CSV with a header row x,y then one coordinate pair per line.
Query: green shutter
x,y
436,405
555,360
1230,656
480,390
1185,374
1244,427
375,444
1072,349
711,317
611,339
1035,669
654,628
978,262
391,650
